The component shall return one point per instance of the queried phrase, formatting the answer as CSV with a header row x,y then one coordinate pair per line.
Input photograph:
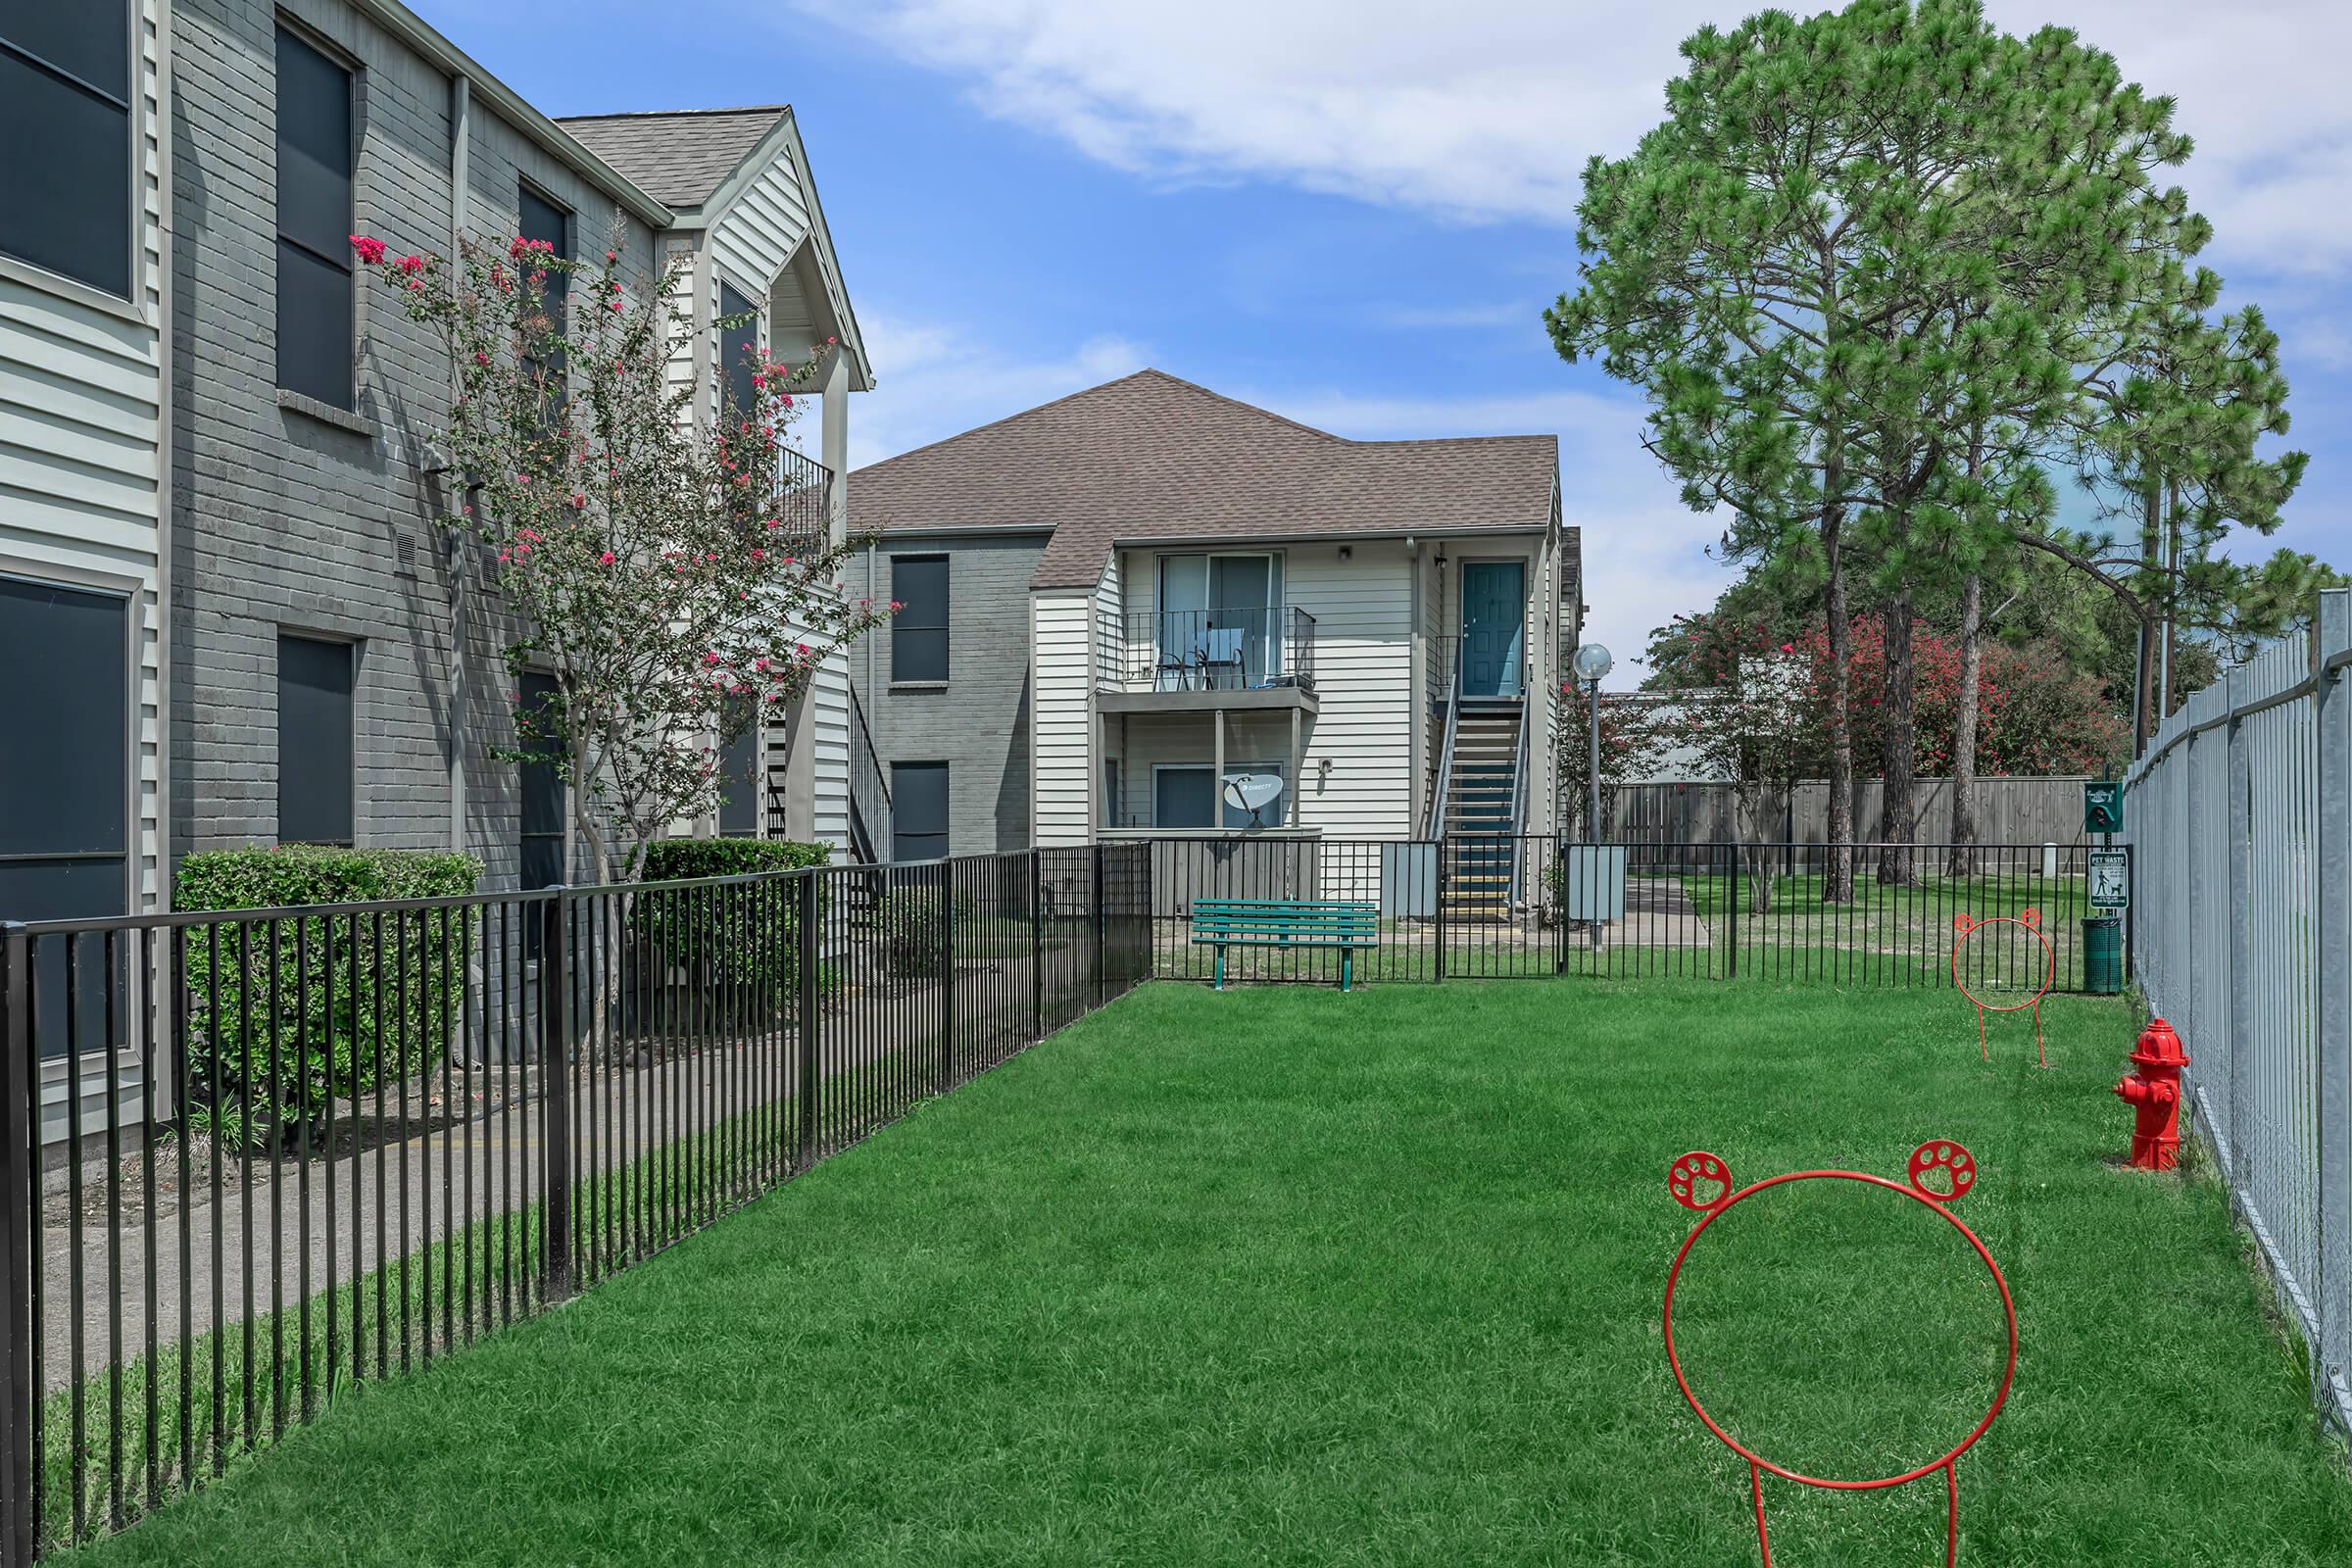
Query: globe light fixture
x,y
1592,662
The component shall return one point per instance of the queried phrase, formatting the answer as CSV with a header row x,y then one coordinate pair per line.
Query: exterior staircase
x,y
1482,809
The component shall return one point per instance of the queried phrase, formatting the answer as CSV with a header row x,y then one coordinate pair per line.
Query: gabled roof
x,y
1151,456
679,157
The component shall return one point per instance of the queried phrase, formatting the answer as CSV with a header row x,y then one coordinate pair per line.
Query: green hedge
x,y
264,1058
742,943
677,859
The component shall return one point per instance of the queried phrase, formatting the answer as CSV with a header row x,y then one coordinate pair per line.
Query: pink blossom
x,y
578,501
481,359
606,559
711,658
410,265
370,251
759,555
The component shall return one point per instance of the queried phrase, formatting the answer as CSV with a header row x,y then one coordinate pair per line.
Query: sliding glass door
x,y
1219,619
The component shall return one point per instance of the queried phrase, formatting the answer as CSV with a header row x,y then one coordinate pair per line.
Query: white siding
x,y
1063,637
82,452
1363,609
1110,625
829,710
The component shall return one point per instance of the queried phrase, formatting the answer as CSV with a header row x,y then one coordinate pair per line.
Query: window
x,y
737,346
739,778
313,741
538,219
65,820
542,826
65,119
919,810
313,223
919,632
1188,795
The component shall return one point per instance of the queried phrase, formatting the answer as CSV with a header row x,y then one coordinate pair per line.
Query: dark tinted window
x,y
542,219
65,123
64,831
919,810
738,345
918,631
542,795
313,223
739,776
313,741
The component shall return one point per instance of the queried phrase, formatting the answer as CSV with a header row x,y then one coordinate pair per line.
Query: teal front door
x,y
1494,627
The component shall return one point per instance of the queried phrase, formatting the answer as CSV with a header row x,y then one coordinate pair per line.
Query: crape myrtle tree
x,y
1843,272
643,553
1752,718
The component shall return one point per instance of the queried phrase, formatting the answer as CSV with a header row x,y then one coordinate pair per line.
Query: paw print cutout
x,y
1964,922
1943,1171
1700,1182
2031,919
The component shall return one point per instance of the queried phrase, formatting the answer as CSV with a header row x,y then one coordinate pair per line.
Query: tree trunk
x,y
2143,684
1838,869
1898,805
1964,728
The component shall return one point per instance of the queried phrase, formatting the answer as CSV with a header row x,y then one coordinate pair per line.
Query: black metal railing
x,y
1215,649
870,808
291,1150
805,488
1503,905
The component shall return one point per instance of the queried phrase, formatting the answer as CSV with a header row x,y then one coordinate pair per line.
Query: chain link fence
x,y
2240,816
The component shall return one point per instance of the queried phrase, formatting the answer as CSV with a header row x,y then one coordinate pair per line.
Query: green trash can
x,y
2103,954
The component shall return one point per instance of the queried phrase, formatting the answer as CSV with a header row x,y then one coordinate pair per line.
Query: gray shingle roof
x,y
1151,456
677,158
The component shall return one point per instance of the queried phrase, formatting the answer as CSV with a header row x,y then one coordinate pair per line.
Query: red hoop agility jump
x,y
1937,1159
2030,919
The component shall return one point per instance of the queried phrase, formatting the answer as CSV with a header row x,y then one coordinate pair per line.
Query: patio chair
x,y
1221,658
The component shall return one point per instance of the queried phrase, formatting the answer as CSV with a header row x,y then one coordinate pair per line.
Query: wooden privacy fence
x,y
2009,810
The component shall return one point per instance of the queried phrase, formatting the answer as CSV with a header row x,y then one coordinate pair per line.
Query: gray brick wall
x,y
978,723
286,522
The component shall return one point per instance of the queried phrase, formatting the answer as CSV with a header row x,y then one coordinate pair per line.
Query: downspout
x,y
166,411
461,137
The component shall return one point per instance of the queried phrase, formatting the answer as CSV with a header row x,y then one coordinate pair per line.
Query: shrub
x,y
912,921
265,1048
678,859
741,942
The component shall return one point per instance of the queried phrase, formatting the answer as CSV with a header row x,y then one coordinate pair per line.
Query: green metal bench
x,y
1286,923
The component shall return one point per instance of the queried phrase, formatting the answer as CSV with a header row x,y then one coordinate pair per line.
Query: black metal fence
x,y
1506,906
252,1159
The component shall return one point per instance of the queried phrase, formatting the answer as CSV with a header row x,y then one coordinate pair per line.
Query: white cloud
x,y
1487,109
935,381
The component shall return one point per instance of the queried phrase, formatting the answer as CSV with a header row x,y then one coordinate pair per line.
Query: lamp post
x,y
1591,663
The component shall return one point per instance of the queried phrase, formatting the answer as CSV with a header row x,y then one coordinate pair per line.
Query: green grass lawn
x,y
1285,1276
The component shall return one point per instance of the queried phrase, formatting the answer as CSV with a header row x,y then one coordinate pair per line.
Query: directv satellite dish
x,y
1251,792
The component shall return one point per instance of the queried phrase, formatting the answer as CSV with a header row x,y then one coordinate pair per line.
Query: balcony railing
x,y
805,485
1214,650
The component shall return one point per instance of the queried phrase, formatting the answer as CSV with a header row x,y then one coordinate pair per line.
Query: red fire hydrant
x,y
2156,1090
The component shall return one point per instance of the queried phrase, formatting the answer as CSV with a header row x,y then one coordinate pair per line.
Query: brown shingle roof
x,y
677,158
1149,455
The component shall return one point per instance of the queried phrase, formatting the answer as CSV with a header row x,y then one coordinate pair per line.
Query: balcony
x,y
1178,660
805,485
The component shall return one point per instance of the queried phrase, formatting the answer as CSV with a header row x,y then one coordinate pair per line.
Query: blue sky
x,y
1352,212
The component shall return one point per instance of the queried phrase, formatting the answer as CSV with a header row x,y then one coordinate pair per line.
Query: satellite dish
x,y
1251,792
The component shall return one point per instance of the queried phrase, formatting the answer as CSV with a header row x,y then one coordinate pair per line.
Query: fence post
x,y
1439,906
2236,1014
1037,945
2333,960
1097,922
946,976
1731,945
805,1088
19,1073
1557,878
555,1094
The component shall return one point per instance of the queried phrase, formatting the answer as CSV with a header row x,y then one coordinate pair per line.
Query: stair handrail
x,y
1519,769
1437,797
862,820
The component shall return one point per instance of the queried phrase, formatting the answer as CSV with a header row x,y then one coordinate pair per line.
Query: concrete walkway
x,y
288,1230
